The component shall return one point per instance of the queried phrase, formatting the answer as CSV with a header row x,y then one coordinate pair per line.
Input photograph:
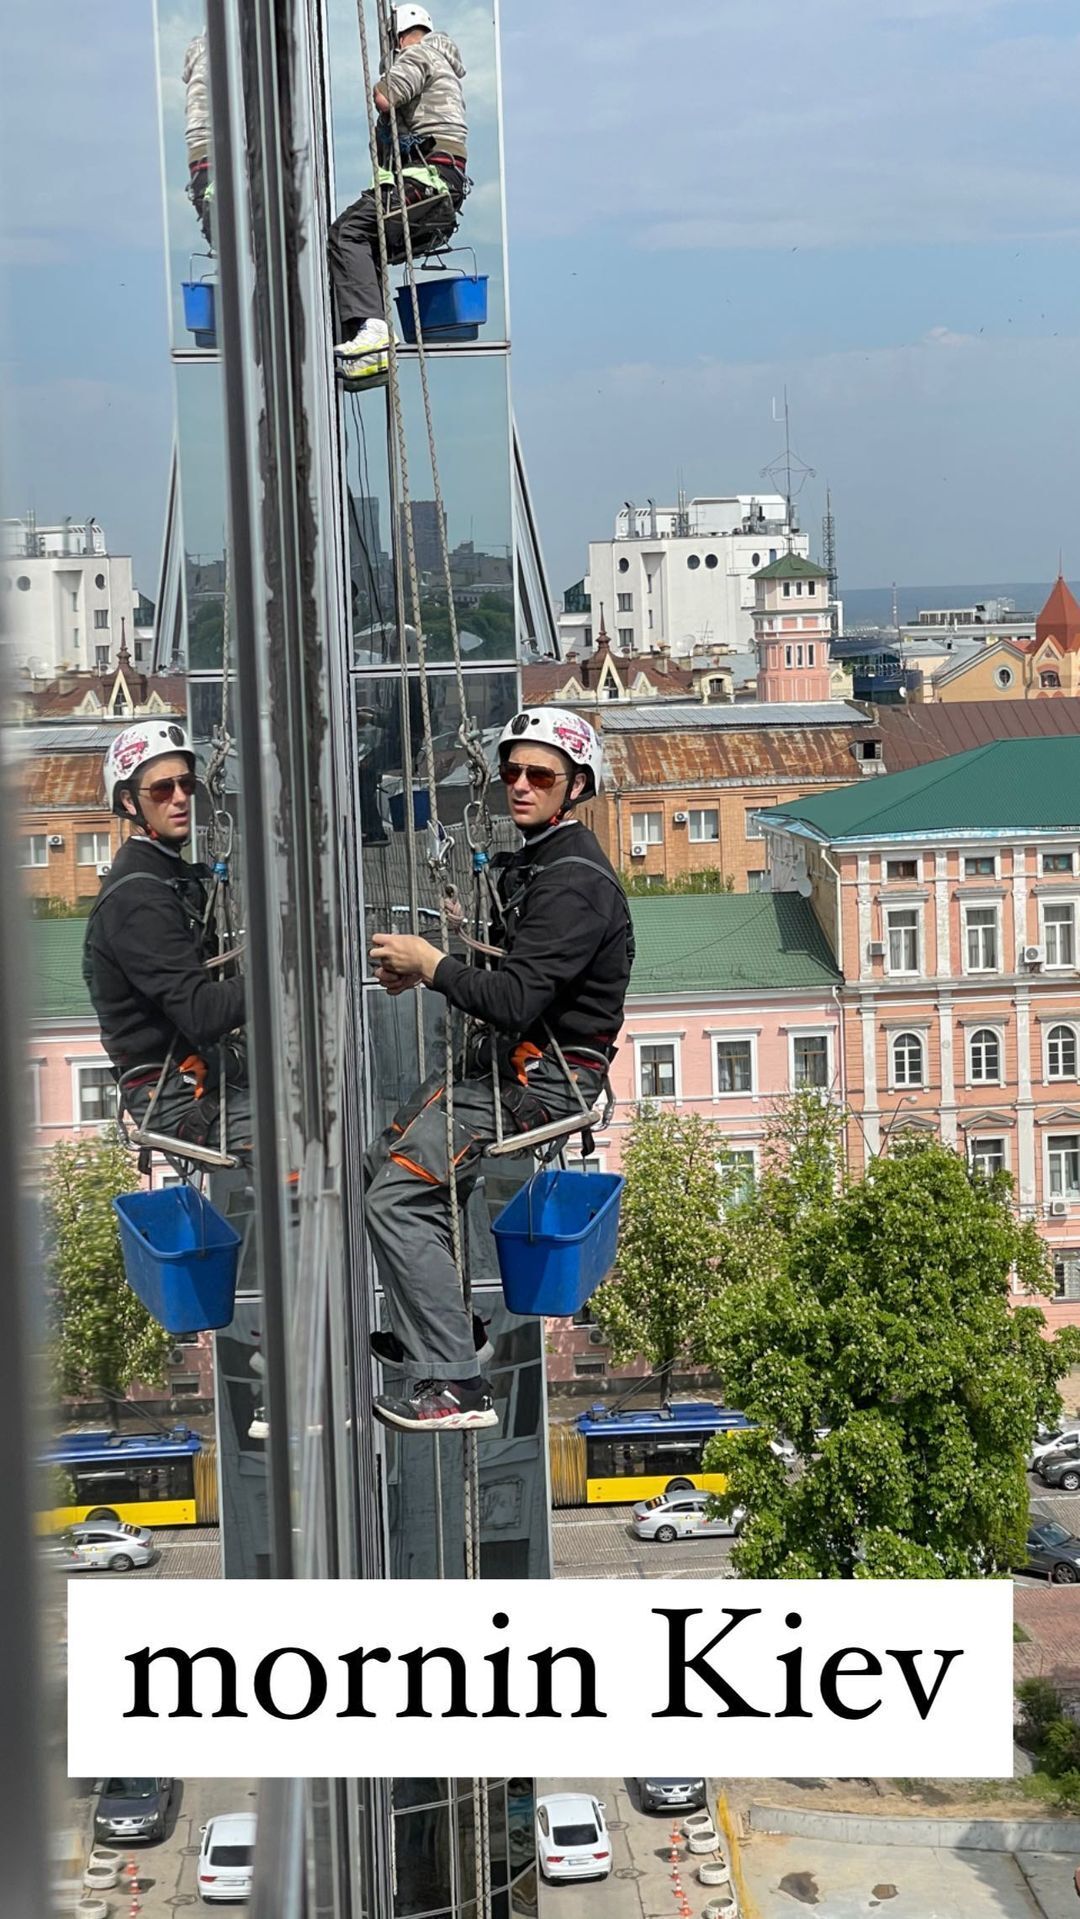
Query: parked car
x,y
1047,1439
226,1858
104,1545
671,1795
682,1516
572,1841
1053,1550
132,1809
1061,1465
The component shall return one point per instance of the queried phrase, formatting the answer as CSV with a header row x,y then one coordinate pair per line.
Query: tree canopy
x,y
101,1338
869,1320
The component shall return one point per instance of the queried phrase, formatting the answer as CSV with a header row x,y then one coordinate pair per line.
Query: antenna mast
x,y
794,470
828,561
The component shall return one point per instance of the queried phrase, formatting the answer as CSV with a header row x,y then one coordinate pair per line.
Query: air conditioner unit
x,y
1058,1208
1033,956
875,949
680,819
178,1357
104,868
56,839
638,850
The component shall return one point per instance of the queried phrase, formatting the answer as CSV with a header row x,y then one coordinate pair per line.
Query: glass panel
x,y
186,154
381,797
422,1849
472,28
200,436
470,410
418,1792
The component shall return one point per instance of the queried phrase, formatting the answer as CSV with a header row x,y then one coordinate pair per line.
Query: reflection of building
x,y
425,529
66,597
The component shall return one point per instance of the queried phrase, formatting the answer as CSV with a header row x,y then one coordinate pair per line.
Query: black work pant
x,y
353,246
200,196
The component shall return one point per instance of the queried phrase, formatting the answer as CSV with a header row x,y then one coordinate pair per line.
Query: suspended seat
x,y
180,1149
180,1256
556,1239
540,1135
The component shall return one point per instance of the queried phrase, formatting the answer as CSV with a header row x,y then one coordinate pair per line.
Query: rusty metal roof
x,y
53,780
650,761
915,735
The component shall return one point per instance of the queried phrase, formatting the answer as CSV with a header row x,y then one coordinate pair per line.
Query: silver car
x,y
682,1516
104,1545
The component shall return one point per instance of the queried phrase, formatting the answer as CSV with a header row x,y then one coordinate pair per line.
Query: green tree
x,y
670,1238
101,1338
870,1321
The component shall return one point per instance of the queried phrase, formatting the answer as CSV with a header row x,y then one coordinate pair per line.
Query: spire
x,y
123,658
1060,618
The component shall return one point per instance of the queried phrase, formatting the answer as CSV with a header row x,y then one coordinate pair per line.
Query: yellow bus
x,y
613,1458
147,1479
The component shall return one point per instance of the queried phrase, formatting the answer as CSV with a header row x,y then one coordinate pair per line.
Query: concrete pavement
x,y
167,1872
908,1882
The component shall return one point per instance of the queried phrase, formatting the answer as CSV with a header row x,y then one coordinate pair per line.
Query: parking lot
x,y
639,1886
167,1872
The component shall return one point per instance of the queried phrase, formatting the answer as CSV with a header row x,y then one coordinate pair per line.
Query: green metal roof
x,y
728,942
791,566
1010,785
54,986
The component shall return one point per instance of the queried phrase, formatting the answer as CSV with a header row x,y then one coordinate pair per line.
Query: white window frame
x,y
810,1032
98,857
975,1140
993,927
986,1026
1070,1194
1067,1256
33,1096
1057,965
745,1150
704,839
674,1040
1068,1026
994,866
98,1063
728,1039
896,1084
903,972
646,838
26,843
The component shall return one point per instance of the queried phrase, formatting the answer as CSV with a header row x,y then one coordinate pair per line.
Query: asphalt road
x,y
597,1542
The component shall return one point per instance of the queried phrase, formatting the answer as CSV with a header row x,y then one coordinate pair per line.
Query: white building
x,y
683,576
63,596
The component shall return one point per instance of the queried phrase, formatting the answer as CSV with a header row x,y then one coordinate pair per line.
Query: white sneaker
x,y
370,342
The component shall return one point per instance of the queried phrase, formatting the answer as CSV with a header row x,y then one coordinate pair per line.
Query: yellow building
x,y
1046,667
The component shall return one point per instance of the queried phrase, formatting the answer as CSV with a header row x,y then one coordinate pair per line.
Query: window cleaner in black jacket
x,y
568,946
146,951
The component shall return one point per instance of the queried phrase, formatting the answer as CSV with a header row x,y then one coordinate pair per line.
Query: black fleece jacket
x,y
147,980
569,947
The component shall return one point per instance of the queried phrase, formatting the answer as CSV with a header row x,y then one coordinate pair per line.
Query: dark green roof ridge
x,y
728,942
1017,785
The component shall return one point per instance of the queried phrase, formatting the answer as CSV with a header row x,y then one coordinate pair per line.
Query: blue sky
x,y
876,204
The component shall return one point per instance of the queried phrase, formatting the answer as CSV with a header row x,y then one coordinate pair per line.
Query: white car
x,y
683,1516
226,1858
108,1545
572,1841
1046,1441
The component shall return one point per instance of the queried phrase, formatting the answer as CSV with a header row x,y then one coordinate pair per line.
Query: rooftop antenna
x,y
791,468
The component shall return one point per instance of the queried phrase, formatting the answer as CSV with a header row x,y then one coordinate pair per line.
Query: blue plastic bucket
x,y
556,1240
452,308
199,315
399,812
180,1257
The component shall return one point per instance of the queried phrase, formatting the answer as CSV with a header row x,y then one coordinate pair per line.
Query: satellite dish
x,y
804,887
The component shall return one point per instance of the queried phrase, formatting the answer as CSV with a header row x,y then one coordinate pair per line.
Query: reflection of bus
x,y
603,1458
149,1479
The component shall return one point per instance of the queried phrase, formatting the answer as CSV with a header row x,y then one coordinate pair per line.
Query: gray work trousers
x,y
407,1205
184,1118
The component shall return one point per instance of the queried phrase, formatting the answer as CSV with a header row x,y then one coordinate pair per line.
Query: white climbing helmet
x,y
135,746
406,18
568,732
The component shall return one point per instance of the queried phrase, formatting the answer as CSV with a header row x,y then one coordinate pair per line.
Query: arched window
x,y
1061,1052
985,1056
907,1053
1049,679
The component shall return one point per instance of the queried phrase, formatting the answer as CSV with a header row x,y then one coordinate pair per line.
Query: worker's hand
x,y
403,954
381,101
395,983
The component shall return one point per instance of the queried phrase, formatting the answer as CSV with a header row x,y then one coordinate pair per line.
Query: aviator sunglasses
x,y
540,778
161,790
